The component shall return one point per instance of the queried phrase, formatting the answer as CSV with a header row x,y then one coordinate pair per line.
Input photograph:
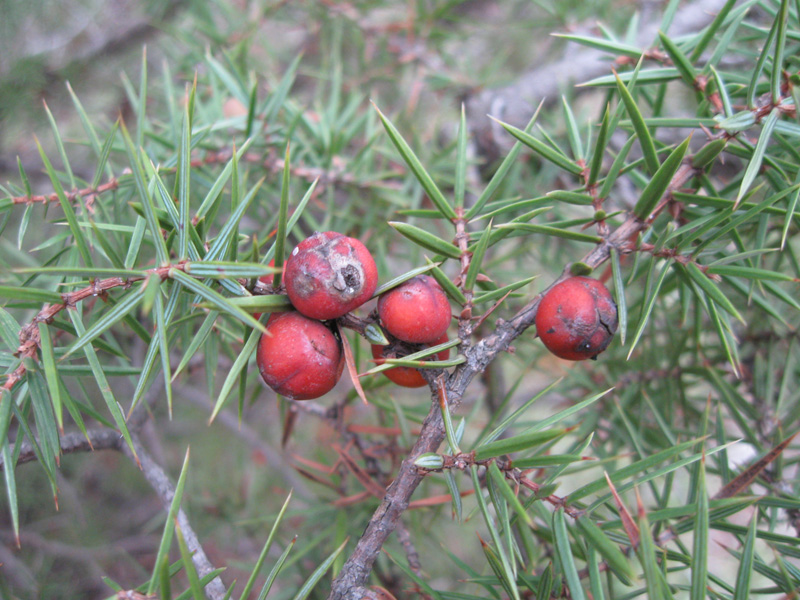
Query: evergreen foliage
x,y
131,306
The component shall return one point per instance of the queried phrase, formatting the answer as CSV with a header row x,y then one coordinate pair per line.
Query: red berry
x,y
328,275
405,376
416,311
577,318
299,358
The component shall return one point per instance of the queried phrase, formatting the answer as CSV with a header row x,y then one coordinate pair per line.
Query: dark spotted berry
x,y
328,275
577,318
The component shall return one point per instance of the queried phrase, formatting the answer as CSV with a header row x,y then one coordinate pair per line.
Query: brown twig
x,y
275,164
349,585
29,336
354,574
464,460
100,438
87,194
109,439
337,175
160,482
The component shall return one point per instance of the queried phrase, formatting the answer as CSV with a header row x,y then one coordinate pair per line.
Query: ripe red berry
x,y
405,376
328,275
577,318
300,358
416,311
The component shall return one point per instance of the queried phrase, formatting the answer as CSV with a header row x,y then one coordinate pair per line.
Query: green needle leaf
x,y
517,443
218,249
572,131
60,147
648,77
144,195
505,490
197,341
461,161
545,151
710,32
501,172
163,348
218,301
89,272
188,565
275,570
745,571
712,290
611,46
700,542
393,283
679,59
619,295
221,269
764,56
433,192
660,182
565,556
86,123
220,182
504,571
256,304
69,211
640,127
654,578
513,417
11,483
233,374
616,168
599,149
708,153
477,258
613,556
141,105
184,178
169,526
777,71
107,321
754,166
426,240
106,392
164,580
283,215
447,285
553,231
501,291
29,294
632,469
448,423
312,581
50,373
